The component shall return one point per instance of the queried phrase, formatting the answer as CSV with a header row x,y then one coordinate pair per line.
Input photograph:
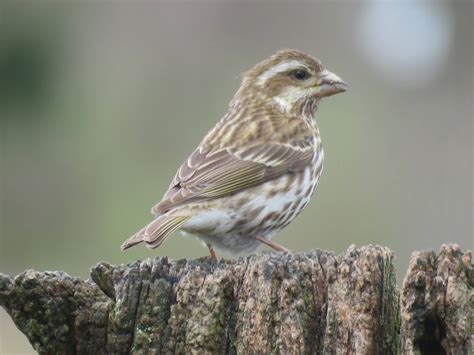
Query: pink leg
x,y
212,251
273,245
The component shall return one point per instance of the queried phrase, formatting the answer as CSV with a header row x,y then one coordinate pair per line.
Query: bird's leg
x,y
273,245
212,251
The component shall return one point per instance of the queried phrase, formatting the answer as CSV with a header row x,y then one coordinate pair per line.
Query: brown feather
x,y
241,151
232,170
258,140
135,239
156,231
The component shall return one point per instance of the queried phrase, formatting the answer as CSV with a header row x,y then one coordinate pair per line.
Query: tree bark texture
x,y
437,303
313,303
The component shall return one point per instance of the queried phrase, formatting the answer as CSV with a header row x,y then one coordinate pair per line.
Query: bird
x,y
257,169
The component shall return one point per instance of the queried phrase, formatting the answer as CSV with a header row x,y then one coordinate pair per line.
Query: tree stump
x,y
314,303
437,303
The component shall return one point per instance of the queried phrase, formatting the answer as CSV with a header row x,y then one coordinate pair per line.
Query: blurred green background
x,y
101,102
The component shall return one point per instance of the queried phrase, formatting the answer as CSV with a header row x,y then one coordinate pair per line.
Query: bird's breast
x,y
262,209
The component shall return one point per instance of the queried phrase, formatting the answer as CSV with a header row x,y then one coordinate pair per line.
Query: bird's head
x,y
293,79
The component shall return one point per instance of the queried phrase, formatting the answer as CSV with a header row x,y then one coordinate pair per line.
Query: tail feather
x,y
135,239
155,233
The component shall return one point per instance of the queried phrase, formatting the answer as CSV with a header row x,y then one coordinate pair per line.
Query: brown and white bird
x,y
256,170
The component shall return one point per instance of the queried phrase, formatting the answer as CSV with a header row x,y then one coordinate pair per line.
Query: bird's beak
x,y
330,84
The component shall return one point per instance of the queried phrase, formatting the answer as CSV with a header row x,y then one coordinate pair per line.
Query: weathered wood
x,y
437,303
312,302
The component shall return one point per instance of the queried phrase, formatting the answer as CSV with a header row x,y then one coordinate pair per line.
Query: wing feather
x,y
228,171
239,153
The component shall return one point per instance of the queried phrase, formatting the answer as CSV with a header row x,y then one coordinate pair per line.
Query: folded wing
x,y
209,174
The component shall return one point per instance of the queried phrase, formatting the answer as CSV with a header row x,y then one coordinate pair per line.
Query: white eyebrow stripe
x,y
279,68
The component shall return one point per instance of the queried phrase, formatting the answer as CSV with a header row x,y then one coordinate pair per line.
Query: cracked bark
x,y
437,303
314,303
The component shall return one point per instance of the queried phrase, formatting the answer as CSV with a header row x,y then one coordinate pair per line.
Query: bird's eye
x,y
300,74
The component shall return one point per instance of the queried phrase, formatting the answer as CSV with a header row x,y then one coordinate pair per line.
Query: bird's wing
x,y
211,173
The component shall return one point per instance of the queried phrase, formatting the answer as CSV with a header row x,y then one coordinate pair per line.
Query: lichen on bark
x,y
437,301
313,302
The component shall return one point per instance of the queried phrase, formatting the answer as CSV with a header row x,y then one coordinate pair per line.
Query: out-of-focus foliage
x,y
100,103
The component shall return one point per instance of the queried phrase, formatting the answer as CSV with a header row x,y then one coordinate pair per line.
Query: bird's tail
x,y
156,231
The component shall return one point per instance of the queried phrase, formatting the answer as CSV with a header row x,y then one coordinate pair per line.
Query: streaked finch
x,y
256,170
